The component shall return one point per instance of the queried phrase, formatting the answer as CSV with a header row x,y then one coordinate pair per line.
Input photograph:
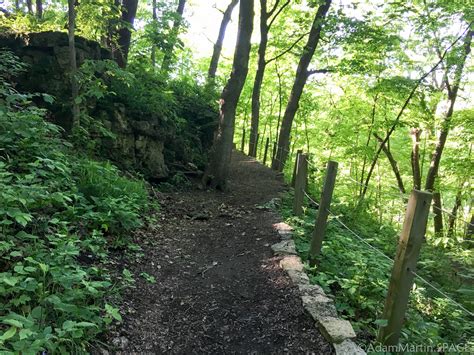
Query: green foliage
x,y
57,208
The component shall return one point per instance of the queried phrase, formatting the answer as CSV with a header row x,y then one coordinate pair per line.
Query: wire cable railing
x,y
452,215
382,254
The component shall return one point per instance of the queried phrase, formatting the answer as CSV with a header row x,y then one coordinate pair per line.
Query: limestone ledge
x,y
317,304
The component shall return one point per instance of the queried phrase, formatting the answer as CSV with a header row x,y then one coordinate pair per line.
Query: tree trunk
x,y
369,135
257,85
415,158
280,106
211,74
153,47
394,126
452,95
298,85
393,164
39,8
168,57
218,169
265,26
73,63
129,10
397,119
470,228
438,214
454,213
29,5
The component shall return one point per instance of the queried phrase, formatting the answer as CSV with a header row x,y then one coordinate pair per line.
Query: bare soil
x,y
218,288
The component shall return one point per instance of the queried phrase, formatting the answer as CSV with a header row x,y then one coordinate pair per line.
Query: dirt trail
x,y
218,288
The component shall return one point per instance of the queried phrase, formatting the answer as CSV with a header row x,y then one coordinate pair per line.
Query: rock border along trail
x,y
218,289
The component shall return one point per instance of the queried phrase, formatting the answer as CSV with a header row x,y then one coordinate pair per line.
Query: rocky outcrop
x,y
138,143
47,54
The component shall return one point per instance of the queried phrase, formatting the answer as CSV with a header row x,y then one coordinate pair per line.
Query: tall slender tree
x,y
453,89
73,64
39,8
219,159
216,53
29,5
129,10
298,85
267,18
153,47
169,52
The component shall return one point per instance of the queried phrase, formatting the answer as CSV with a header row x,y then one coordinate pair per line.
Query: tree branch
x,y
288,49
270,13
277,13
319,71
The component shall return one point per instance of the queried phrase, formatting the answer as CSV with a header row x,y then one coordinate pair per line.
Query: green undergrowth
x,y
358,278
60,214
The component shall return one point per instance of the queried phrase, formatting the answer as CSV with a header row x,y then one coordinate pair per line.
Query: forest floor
x,y
218,288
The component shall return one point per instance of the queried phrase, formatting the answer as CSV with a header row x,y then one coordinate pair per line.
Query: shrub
x,y
55,208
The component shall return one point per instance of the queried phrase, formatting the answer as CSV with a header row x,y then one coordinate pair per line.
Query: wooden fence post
x,y
300,184
401,281
266,151
293,177
323,212
242,145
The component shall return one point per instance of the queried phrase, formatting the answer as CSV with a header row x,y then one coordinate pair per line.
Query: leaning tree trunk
x,y
168,57
211,74
397,120
218,169
298,85
443,136
257,85
415,158
129,10
393,164
452,96
73,63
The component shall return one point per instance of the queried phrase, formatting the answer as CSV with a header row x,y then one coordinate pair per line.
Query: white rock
x,y
286,247
348,347
310,290
282,226
298,277
319,307
291,262
285,235
336,330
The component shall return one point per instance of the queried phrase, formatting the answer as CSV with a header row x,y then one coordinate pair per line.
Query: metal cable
x,y
443,294
309,198
360,238
414,273
452,215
